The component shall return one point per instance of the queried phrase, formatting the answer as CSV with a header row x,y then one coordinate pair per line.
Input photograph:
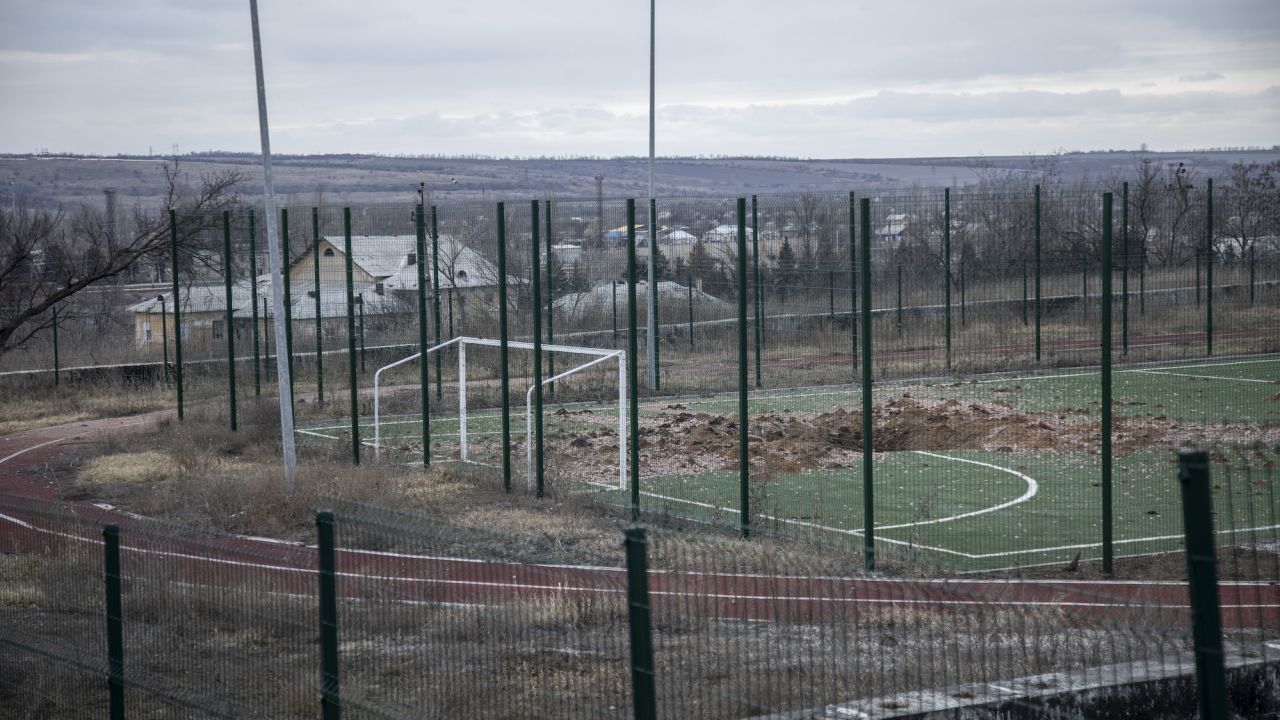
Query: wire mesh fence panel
x,y
1247,527
764,631
55,647
427,634
206,617
203,618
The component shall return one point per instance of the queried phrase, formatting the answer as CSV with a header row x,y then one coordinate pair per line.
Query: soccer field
x,y
985,473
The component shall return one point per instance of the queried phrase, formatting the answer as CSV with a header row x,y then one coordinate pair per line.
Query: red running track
x,y
31,521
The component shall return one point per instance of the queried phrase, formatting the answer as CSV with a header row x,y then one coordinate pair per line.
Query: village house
x,y
384,281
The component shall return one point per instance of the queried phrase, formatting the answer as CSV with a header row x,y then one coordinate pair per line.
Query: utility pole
x,y
651,335
289,451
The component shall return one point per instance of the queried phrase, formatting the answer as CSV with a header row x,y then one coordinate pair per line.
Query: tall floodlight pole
x,y
651,344
277,266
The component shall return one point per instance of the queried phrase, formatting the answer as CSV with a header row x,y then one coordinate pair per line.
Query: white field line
x,y
1032,488
787,521
946,551
1205,377
316,434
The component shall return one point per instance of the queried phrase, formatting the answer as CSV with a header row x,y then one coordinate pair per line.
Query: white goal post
x,y
600,356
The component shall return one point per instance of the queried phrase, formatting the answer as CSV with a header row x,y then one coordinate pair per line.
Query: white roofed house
x,y
375,259
889,235
679,236
724,233
468,281
203,314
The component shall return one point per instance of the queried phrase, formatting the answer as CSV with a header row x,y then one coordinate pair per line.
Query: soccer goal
x,y
598,355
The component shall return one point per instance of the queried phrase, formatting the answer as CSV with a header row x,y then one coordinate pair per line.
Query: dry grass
x,y
19,581
24,407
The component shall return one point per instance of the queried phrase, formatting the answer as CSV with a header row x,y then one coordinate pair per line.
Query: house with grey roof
x,y
384,280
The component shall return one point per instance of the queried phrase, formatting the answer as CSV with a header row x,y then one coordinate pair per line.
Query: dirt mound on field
x,y
783,442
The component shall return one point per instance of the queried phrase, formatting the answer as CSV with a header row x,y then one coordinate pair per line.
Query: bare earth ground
x,y
680,442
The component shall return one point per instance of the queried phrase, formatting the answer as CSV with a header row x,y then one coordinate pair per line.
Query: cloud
x,y
1208,76
883,124
570,76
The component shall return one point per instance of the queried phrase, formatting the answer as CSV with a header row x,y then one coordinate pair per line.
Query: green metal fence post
x,y
614,284
164,338
1208,268
535,283
288,299
503,347
758,295
946,261
315,261
1124,274
230,327
1108,547
633,370
424,362
330,697
177,307
57,369
551,302
253,302
435,294
853,285
1206,615
868,501
744,466
351,337
643,686
115,621
1038,296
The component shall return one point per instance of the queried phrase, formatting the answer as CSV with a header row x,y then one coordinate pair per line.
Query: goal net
x,y
580,379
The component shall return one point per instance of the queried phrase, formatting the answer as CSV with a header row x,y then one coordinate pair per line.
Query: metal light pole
x,y
288,450
651,336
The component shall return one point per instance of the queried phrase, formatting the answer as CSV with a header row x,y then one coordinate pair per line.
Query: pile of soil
x,y
678,441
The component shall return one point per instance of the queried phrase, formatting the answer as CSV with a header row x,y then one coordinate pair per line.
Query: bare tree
x,y
1254,209
48,257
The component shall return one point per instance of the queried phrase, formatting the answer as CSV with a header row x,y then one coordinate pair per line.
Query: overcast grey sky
x,y
836,78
